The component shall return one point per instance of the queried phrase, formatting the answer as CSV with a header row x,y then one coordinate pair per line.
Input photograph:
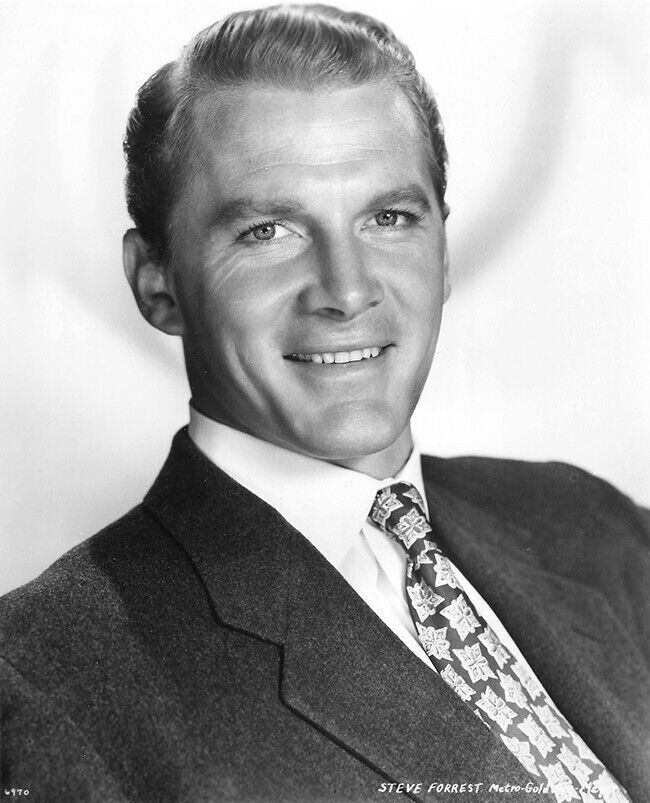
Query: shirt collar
x,y
328,504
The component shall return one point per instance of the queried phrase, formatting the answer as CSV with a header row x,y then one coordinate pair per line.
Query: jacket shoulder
x,y
560,518
79,576
89,651
77,611
552,494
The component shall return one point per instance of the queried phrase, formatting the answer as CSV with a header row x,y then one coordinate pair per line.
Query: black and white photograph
x,y
325,413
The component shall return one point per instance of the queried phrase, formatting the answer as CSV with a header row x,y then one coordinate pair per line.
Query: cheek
x,y
239,323
263,284
419,288
235,304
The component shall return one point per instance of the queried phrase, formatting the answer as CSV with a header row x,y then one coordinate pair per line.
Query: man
x,y
254,630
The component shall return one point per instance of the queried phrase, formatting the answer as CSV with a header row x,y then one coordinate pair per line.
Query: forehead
x,y
269,137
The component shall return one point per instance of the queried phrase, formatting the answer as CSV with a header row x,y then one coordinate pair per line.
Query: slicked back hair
x,y
298,47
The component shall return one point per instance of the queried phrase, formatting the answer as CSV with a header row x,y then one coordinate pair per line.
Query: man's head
x,y
287,178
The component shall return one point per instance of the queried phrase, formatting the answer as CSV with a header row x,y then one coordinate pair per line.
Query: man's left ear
x,y
445,265
152,285
446,280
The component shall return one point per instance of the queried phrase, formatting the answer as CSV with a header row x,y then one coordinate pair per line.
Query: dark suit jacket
x,y
200,649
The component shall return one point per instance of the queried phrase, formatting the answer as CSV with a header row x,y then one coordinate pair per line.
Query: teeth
x,y
329,357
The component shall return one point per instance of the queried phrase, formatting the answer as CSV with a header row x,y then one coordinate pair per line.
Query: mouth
x,y
338,357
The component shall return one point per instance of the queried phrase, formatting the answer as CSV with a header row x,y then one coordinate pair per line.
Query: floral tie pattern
x,y
501,690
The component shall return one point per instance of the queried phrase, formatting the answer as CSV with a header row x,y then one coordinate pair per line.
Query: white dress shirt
x,y
330,506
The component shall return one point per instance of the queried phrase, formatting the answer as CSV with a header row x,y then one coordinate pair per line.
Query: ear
x,y
445,265
152,285
446,280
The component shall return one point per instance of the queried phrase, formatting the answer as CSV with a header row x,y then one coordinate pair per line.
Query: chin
x,y
350,434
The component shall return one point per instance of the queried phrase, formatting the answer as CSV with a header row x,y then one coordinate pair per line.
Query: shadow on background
x,y
564,34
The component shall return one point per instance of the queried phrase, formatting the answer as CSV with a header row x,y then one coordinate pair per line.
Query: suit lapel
x,y
348,674
565,630
343,670
237,543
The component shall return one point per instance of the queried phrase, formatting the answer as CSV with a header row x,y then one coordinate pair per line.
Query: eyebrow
x,y
249,207
241,208
411,194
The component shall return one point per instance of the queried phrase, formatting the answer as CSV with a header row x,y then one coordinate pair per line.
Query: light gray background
x,y
544,351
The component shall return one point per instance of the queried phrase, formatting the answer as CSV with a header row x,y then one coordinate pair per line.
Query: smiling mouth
x,y
338,357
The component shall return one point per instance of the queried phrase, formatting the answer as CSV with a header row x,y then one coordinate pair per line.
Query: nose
x,y
343,284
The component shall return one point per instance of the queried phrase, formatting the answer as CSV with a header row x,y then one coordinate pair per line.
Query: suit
x,y
200,649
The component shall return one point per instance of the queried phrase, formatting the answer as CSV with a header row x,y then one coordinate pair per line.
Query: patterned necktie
x,y
501,690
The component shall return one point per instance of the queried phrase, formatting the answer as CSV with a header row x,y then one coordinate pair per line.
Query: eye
x,y
268,230
387,217
394,219
264,232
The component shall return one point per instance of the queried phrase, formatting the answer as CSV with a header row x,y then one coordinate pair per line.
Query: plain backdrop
x,y
545,347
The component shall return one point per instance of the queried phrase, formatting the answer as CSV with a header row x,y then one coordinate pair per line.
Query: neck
x,y
383,464
380,465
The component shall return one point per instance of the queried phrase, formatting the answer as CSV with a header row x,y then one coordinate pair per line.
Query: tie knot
x,y
398,509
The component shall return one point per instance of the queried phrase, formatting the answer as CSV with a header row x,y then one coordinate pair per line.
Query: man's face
x,y
309,266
